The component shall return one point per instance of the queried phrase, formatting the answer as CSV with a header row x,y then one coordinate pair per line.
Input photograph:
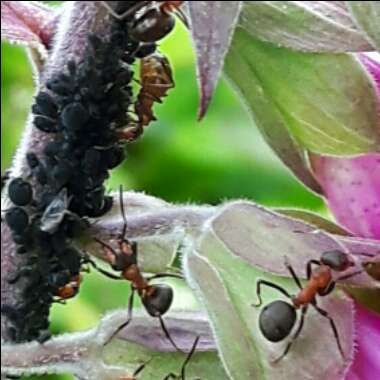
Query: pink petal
x,y
372,63
366,364
352,189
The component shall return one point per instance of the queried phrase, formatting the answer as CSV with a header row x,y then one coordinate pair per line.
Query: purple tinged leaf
x,y
27,23
244,227
184,327
212,26
312,26
352,190
367,16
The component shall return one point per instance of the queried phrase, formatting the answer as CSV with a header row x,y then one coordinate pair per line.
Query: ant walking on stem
x,y
278,318
156,298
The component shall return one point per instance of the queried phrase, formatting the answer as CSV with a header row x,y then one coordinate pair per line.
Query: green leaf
x,y
205,365
327,102
367,16
226,285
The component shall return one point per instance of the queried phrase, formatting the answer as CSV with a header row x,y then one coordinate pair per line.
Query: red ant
x,y
170,376
278,318
155,22
156,298
156,79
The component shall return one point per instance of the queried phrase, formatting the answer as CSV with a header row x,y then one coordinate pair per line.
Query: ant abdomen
x,y
159,301
276,320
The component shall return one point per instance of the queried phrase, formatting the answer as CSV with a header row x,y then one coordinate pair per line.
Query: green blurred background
x,y
178,159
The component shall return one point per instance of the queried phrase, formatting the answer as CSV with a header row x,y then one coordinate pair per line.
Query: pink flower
x,y
352,185
366,365
352,190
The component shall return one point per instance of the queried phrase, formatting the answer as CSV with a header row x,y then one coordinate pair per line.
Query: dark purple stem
x,y
78,20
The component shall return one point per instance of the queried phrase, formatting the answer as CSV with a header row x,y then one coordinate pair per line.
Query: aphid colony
x,y
86,111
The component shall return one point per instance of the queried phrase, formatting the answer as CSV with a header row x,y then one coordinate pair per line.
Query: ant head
x,y
276,320
336,260
159,302
152,25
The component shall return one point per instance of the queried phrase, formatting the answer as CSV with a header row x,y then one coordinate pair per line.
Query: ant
x,y
278,318
170,376
156,79
156,298
155,23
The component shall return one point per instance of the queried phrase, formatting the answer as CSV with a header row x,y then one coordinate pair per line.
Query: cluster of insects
x,y
278,318
86,110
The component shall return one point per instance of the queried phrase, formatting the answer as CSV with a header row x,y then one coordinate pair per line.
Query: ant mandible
x,y
278,318
172,375
156,298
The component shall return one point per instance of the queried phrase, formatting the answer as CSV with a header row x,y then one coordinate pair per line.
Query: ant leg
x,y
102,271
325,314
188,358
295,336
293,274
171,376
141,367
129,318
168,337
271,285
309,268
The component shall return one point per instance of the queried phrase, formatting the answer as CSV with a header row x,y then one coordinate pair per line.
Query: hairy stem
x,y
78,20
